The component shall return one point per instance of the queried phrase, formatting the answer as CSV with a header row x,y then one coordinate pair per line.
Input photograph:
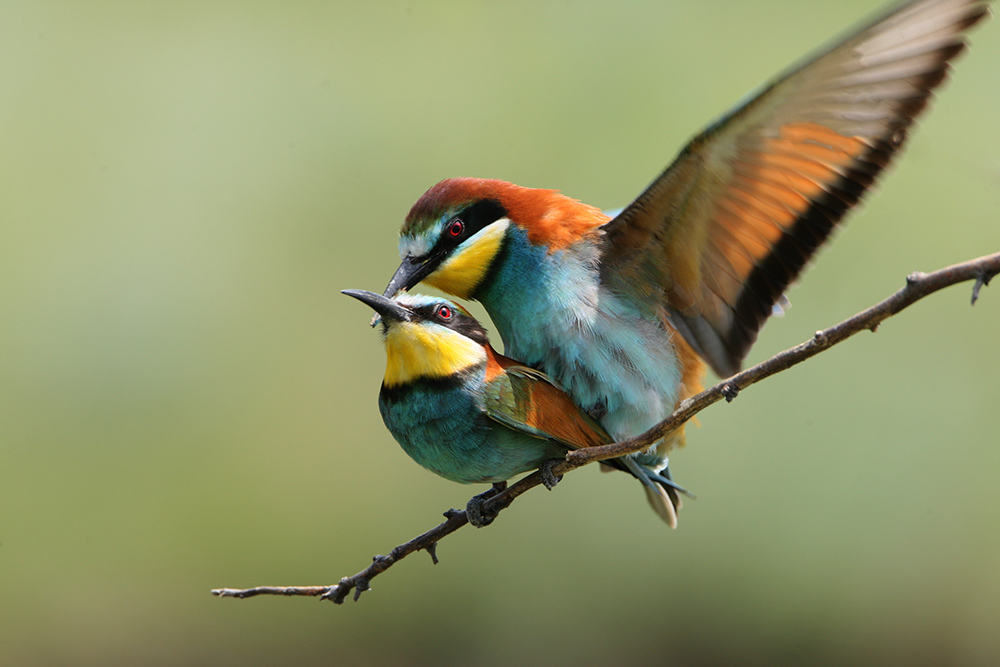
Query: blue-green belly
x,y
442,426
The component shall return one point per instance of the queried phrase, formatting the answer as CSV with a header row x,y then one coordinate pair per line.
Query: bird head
x,y
456,231
425,337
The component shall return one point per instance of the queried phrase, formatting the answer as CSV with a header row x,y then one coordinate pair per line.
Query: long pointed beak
x,y
409,273
389,310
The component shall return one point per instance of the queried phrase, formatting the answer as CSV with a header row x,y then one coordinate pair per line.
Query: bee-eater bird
x,y
623,313
469,414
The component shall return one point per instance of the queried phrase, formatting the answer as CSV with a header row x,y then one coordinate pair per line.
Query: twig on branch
x,y
918,285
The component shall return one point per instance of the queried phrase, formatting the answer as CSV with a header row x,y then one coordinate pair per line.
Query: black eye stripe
x,y
473,218
458,321
481,214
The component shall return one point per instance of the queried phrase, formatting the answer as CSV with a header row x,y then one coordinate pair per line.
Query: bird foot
x,y
475,510
549,478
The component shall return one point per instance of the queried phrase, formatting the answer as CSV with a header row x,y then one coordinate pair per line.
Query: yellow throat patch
x,y
461,273
427,351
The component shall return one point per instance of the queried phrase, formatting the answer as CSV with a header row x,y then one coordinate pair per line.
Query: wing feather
x,y
725,229
526,400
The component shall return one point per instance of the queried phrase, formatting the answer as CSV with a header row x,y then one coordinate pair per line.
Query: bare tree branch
x,y
918,285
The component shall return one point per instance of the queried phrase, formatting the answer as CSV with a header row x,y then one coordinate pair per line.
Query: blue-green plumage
x,y
618,363
443,426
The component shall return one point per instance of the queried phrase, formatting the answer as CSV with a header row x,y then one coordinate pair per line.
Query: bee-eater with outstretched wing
x,y
469,414
623,312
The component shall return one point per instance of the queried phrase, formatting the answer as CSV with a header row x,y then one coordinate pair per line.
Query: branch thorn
x,y
360,586
431,550
982,280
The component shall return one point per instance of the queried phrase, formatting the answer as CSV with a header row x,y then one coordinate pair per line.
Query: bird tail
x,y
662,492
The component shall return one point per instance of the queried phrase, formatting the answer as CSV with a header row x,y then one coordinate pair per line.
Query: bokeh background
x,y
187,402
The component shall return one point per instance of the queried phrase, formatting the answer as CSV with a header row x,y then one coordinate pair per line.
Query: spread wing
x,y
724,230
525,400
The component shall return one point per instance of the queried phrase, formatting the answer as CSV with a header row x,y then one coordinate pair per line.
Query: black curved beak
x,y
389,310
409,273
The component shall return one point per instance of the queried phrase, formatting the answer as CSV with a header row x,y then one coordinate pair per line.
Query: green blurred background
x,y
189,403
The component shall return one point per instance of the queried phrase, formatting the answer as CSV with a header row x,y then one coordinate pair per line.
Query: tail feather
x,y
661,491
663,503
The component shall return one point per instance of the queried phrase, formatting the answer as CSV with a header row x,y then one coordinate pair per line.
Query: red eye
x,y
456,228
445,313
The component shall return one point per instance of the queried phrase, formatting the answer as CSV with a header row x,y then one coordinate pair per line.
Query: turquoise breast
x,y
442,426
617,363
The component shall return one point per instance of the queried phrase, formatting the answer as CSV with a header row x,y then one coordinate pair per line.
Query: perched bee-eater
x,y
623,312
469,414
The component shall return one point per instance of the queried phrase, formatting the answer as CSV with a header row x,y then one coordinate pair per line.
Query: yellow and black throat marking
x,y
425,350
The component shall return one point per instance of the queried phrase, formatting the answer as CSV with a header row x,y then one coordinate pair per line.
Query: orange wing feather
x,y
733,220
530,399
